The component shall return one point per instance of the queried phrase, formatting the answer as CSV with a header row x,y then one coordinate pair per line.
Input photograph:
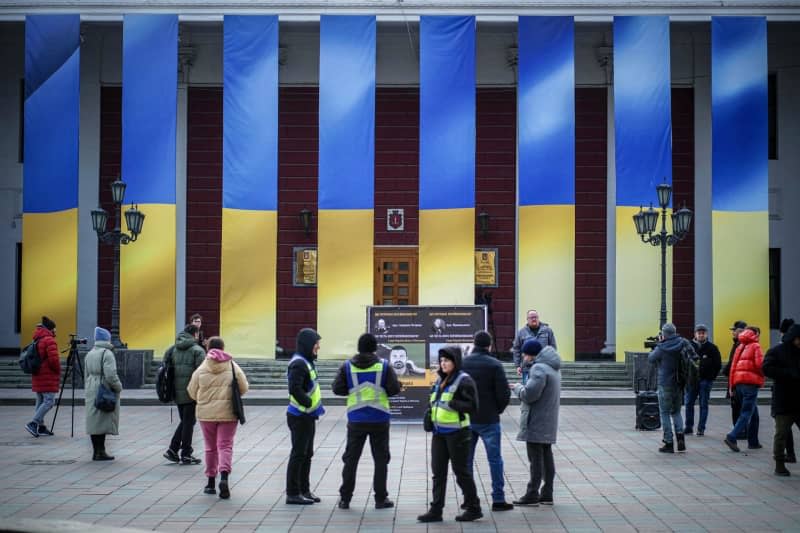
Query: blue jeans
x,y
524,377
703,392
752,427
749,395
491,436
669,405
44,402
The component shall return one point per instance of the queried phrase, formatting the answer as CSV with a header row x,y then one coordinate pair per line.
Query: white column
x,y
180,202
88,183
611,231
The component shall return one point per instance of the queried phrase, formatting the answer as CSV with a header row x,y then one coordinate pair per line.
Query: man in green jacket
x,y
184,356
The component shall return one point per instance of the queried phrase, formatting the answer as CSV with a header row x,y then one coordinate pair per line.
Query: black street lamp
x,y
646,222
134,220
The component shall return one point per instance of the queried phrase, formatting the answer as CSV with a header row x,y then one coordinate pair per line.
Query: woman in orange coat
x,y
745,380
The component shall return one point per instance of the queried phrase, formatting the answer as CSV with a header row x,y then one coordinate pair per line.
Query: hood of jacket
x,y
104,344
217,362
364,360
306,340
791,334
673,344
748,336
549,356
218,355
184,341
42,332
454,353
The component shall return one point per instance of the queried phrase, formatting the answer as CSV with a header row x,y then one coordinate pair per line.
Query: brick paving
x,y
609,478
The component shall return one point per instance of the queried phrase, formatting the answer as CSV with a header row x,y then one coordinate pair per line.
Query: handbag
x,y
236,397
106,399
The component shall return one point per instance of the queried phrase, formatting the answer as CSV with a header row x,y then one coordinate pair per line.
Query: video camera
x,y
74,340
651,342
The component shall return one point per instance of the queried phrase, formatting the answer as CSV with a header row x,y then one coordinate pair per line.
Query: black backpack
x,y
688,370
29,360
165,379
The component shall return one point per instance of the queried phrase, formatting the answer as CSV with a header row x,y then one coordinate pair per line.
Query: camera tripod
x,y
73,365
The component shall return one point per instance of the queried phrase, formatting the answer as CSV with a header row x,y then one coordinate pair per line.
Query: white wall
x,y
397,64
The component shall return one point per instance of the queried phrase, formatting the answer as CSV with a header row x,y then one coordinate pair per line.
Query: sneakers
x,y
668,447
681,442
731,444
385,504
190,460
169,455
43,431
531,500
430,516
700,432
470,515
546,500
33,428
502,506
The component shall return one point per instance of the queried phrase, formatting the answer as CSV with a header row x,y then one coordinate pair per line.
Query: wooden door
x,y
396,276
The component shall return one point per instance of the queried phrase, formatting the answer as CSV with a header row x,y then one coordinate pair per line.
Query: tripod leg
x,y
61,392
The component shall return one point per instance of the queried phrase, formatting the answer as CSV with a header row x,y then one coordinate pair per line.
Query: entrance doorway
x,y
396,276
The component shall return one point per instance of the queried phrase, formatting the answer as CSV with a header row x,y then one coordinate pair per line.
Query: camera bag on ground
x,y
29,360
648,416
165,379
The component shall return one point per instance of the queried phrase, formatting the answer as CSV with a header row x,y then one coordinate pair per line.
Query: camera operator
x,y
45,382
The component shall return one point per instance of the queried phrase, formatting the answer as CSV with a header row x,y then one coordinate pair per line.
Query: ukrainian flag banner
x,y
447,161
149,107
50,172
249,185
546,175
346,180
643,133
739,185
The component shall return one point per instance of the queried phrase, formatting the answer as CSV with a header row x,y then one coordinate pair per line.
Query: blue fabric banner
x,y
739,113
52,109
250,113
347,112
149,107
642,107
447,112
546,110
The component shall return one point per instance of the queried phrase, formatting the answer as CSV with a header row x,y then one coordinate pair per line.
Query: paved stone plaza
x,y
609,477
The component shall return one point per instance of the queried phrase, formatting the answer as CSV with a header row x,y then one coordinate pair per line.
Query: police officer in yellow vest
x,y
305,407
368,382
453,398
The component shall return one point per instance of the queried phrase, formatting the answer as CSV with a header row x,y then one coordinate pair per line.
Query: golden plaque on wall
x,y
305,267
486,268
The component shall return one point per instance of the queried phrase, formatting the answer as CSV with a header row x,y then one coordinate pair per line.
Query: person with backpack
x,y
185,356
44,382
211,387
746,378
710,363
669,356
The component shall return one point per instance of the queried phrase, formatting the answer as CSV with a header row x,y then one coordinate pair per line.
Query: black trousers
x,y
98,443
542,466
783,428
453,448
790,443
299,468
379,444
182,438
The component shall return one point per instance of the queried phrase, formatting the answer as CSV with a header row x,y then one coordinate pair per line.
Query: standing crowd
x,y
464,408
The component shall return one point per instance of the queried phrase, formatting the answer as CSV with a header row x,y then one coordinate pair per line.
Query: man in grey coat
x,y
542,395
533,329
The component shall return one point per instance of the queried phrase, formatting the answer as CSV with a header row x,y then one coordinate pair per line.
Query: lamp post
x,y
646,222
134,220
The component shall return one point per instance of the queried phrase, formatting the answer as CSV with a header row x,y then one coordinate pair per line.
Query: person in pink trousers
x,y
210,387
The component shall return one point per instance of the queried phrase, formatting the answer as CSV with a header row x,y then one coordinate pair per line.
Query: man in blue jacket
x,y
493,396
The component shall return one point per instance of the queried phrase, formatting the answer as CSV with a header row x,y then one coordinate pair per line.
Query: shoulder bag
x,y
106,399
236,397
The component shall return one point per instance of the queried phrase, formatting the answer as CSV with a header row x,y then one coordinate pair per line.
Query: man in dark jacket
x,y
45,382
368,382
533,329
710,365
782,364
305,407
736,401
493,397
185,356
666,357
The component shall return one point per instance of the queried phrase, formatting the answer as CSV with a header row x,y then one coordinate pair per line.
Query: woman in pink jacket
x,y
210,387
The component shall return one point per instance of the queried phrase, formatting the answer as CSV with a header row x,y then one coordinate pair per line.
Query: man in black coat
x,y
710,365
782,364
368,382
493,396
